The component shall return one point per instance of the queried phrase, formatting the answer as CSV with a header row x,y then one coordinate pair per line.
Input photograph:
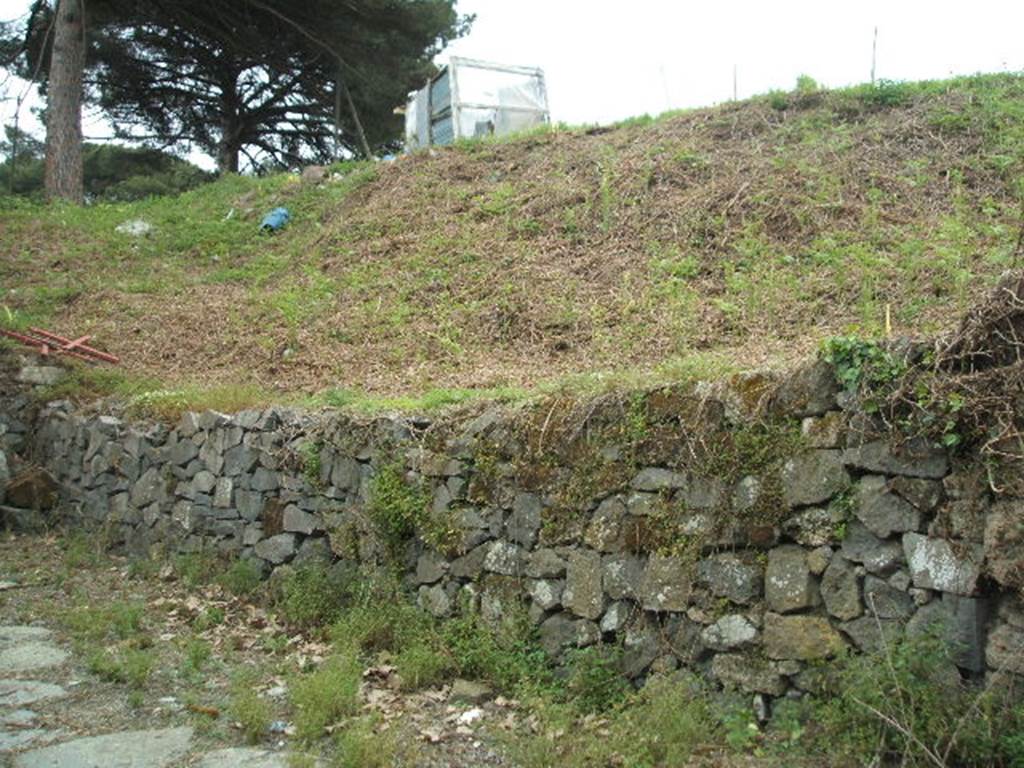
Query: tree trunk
x,y
64,105
230,144
227,151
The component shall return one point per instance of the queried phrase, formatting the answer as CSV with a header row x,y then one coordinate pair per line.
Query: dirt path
x,y
41,702
56,708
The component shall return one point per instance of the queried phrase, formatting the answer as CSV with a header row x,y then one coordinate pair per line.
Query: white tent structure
x,y
470,98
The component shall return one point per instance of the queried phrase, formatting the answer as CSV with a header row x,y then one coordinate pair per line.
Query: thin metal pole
x,y
874,51
453,90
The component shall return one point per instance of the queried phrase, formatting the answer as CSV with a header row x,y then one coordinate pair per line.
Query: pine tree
x,y
277,82
64,104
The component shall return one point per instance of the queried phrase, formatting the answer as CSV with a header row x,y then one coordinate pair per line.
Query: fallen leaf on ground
x,y
201,710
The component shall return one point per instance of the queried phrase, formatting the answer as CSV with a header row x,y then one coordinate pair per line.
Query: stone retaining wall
x,y
629,518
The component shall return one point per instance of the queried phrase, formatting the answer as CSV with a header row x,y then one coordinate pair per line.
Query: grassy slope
x,y
745,232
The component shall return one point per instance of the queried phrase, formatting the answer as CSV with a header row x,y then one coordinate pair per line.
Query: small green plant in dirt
x,y
778,100
498,203
126,665
908,705
310,462
949,412
324,697
637,423
843,504
504,653
940,413
670,263
739,728
143,569
118,620
380,618
361,745
423,664
82,550
252,711
757,450
841,510
486,475
313,595
242,578
884,93
607,195
396,506
594,682
275,645
426,652
196,569
806,85
124,619
862,365
663,724
662,531
195,654
208,619
789,725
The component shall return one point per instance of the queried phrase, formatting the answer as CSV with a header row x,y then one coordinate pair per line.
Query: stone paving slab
x,y
22,693
25,648
243,757
17,635
19,718
30,656
19,728
26,737
164,748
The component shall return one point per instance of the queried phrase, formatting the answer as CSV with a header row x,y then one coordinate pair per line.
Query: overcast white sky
x,y
609,60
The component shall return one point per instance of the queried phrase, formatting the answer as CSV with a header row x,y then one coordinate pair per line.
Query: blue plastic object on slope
x,y
275,220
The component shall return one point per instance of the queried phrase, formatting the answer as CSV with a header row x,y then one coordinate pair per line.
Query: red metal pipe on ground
x,y
44,345
69,345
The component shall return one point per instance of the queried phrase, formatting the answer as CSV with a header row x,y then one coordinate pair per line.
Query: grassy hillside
x,y
743,233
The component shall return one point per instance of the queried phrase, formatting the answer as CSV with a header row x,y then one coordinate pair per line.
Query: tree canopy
x,y
271,81
264,77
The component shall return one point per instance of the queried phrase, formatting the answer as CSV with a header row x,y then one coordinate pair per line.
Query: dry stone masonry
x,y
613,526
